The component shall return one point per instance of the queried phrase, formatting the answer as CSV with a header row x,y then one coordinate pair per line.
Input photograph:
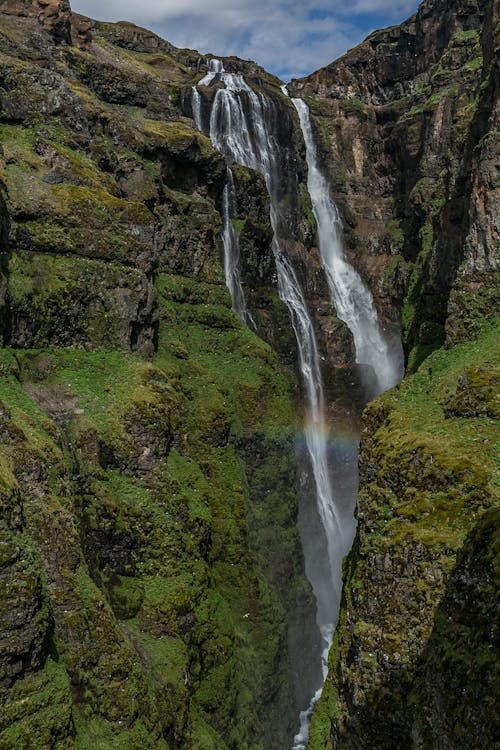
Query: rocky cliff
x,y
408,123
147,458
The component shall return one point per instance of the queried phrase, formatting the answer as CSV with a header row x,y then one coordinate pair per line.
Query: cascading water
x,y
351,298
231,244
243,126
230,237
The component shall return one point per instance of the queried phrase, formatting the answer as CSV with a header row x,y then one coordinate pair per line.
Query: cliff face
x,y
400,673
408,122
409,128
147,437
141,425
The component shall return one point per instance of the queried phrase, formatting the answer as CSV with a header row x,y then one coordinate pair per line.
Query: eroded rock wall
x,y
408,123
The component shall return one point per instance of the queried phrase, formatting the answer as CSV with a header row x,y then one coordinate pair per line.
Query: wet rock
x,y
401,121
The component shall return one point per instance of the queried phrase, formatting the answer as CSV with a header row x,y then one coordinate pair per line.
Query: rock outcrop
x,y
54,16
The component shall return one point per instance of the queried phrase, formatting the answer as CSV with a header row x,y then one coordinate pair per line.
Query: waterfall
x,y
230,236
354,305
350,296
244,126
196,107
231,244
241,126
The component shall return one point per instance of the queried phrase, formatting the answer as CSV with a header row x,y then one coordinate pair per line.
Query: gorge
x,y
203,282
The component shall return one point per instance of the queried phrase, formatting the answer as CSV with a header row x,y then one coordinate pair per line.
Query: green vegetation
x,y
142,425
165,529
430,472
467,37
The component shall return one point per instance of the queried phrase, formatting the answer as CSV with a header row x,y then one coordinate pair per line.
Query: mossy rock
x,y
61,301
428,475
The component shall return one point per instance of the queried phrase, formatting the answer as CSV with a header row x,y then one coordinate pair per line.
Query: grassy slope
x,y
205,643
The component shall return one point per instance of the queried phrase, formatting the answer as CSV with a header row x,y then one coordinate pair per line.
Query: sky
x,y
290,38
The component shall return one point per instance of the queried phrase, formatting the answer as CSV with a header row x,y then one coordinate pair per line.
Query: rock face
x,y
146,437
54,16
416,590
409,126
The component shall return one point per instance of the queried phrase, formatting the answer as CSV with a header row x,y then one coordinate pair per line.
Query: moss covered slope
x,y
416,635
128,530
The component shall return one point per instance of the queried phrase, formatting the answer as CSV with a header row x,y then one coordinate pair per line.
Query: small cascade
x,y
230,237
231,244
196,107
214,67
350,296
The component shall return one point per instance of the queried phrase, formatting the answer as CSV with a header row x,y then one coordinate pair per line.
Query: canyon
x,y
165,295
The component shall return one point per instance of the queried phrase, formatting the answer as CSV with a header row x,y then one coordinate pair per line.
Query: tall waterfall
x,y
244,126
350,296
230,236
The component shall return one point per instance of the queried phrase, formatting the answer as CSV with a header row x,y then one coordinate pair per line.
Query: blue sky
x,y
290,38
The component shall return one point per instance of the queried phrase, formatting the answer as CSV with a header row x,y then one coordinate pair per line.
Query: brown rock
x,y
55,16
81,33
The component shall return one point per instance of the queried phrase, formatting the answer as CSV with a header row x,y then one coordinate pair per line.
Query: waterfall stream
x,y
350,296
231,244
244,126
230,236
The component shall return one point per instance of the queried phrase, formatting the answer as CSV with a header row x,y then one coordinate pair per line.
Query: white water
x,y
214,67
351,298
230,237
243,125
231,244
301,739
354,305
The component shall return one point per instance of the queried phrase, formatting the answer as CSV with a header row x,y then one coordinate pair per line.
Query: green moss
x,y
470,306
140,473
475,64
216,355
191,515
467,37
395,232
429,475
358,105
462,452
37,713
430,102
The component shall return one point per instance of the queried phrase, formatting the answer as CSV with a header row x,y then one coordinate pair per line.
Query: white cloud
x,y
391,7
288,37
